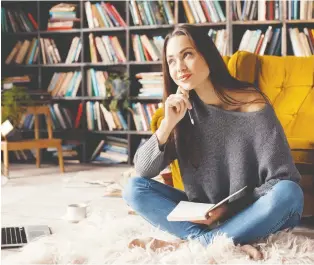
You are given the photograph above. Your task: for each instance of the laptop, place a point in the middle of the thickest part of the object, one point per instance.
(18, 236)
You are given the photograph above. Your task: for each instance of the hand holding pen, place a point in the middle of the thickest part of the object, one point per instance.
(176, 106)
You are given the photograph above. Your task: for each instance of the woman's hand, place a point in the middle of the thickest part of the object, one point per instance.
(176, 106)
(214, 215)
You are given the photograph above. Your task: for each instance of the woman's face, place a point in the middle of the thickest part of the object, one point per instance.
(187, 67)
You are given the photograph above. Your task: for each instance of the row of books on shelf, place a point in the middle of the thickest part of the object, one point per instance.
(151, 12)
(142, 114)
(98, 117)
(300, 9)
(302, 42)
(203, 11)
(106, 49)
(259, 43)
(24, 52)
(146, 49)
(62, 17)
(270, 43)
(65, 84)
(17, 20)
(260, 10)
(220, 38)
(111, 150)
(103, 15)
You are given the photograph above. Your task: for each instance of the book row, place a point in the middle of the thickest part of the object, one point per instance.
(260, 43)
(17, 20)
(197, 11)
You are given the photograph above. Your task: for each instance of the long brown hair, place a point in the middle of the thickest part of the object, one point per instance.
(220, 77)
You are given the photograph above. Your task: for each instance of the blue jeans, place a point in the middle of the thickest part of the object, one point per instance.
(279, 209)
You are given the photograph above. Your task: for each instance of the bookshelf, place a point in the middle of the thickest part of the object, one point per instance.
(43, 72)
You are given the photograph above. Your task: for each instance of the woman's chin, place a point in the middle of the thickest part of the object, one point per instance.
(187, 86)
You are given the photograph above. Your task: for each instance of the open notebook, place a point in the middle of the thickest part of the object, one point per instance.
(195, 211)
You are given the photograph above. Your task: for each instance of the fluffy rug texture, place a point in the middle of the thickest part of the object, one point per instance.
(103, 239)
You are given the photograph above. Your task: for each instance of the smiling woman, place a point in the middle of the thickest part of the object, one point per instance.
(236, 141)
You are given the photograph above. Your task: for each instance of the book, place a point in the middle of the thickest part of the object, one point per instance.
(194, 211)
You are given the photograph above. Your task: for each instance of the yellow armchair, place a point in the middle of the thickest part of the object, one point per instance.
(288, 82)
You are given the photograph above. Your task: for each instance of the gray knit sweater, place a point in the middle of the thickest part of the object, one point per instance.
(238, 149)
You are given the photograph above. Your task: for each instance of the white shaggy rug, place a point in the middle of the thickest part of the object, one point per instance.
(103, 239)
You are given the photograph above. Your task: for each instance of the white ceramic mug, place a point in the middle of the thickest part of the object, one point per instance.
(77, 212)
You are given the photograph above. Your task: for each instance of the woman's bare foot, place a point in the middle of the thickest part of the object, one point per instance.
(154, 243)
(252, 252)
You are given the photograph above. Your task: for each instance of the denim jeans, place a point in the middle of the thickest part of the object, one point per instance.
(280, 208)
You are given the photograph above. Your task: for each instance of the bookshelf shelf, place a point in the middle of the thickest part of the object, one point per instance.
(145, 98)
(61, 65)
(104, 64)
(133, 28)
(207, 24)
(145, 63)
(252, 22)
(21, 65)
(113, 29)
(55, 32)
(291, 22)
(234, 30)
(17, 34)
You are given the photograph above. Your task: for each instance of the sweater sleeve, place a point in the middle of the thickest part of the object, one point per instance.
(275, 163)
(151, 158)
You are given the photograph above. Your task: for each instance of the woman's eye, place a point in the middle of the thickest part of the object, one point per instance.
(186, 54)
(170, 61)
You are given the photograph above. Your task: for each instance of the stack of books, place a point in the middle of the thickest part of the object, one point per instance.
(9, 82)
(70, 152)
(62, 17)
(152, 84)
(112, 150)
(146, 49)
(103, 15)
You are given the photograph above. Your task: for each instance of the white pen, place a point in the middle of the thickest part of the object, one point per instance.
(192, 121)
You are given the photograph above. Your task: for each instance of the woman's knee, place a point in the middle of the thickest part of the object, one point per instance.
(289, 194)
(133, 189)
